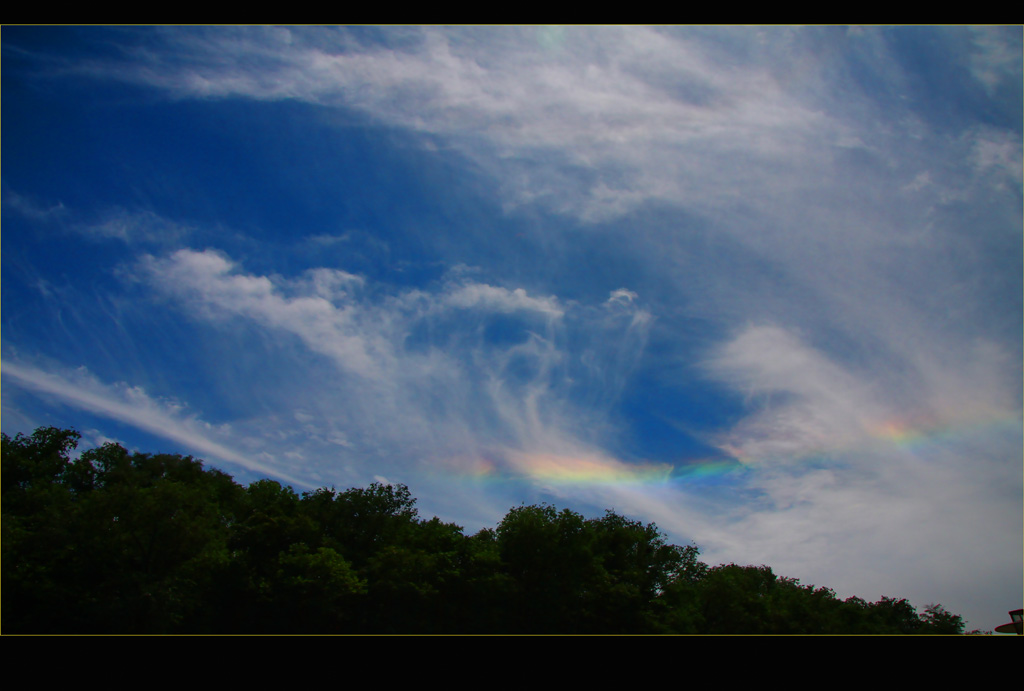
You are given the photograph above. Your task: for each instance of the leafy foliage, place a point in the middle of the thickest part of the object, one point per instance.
(120, 542)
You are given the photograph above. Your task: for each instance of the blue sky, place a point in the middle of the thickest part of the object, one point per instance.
(761, 286)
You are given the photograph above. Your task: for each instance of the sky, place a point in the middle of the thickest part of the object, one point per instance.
(760, 286)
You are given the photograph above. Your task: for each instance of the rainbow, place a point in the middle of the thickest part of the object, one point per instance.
(582, 469)
(596, 468)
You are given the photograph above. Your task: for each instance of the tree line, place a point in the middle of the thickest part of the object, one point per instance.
(119, 542)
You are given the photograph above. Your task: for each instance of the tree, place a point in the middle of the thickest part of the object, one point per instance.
(119, 542)
(938, 620)
(34, 465)
(111, 542)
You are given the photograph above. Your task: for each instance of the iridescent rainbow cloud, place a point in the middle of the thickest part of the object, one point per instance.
(595, 468)
(913, 433)
(583, 469)
(586, 469)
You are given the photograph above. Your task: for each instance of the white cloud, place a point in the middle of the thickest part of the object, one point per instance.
(810, 405)
(207, 280)
(849, 252)
(420, 373)
(475, 295)
(133, 406)
(859, 475)
(997, 59)
(997, 154)
(136, 226)
(644, 114)
(805, 404)
(32, 208)
(622, 296)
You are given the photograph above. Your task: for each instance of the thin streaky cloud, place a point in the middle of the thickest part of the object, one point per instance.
(761, 285)
(131, 405)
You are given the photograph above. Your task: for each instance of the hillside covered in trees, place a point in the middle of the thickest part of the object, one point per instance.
(141, 543)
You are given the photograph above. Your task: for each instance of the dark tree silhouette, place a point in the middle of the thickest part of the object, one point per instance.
(124, 542)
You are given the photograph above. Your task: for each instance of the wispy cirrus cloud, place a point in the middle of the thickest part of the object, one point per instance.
(145, 227)
(32, 208)
(820, 225)
(833, 204)
(887, 466)
(133, 406)
(589, 122)
(458, 366)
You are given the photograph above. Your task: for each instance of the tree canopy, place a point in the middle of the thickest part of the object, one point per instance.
(121, 542)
